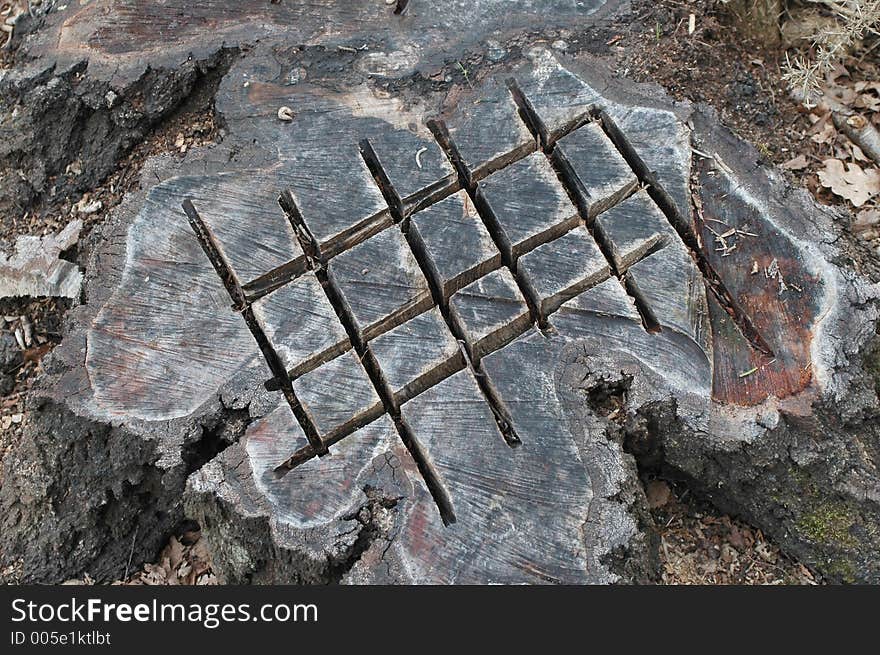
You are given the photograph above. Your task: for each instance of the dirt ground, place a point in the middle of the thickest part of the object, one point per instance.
(714, 64)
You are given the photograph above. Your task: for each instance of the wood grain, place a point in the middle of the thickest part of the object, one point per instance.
(528, 202)
(633, 229)
(519, 511)
(607, 298)
(166, 339)
(417, 355)
(488, 131)
(783, 307)
(338, 396)
(416, 166)
(600, 175)
(561, 269)
(322, 489)
(301, 325)
(381, 283)
(455, 241)
(490, 311)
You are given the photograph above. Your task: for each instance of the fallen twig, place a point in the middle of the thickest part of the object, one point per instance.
(856, 127)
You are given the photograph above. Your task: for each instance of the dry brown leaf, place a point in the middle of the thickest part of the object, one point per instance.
(850, 181)
(867, 224)
(868, 217)
(658, 493)
(868, 86)
(844, 95)
(858, 154)
(798, 163)
(838, 70)
(826, 135)
(868, 101)
(174, 552)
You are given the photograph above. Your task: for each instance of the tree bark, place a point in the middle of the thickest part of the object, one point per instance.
(758, 19)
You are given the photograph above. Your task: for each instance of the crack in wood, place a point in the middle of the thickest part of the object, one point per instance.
(469, 183)
(441, 300)
(400, 207)
(392, 198)
(371, 366)
(667, 205)
(240, 304)
(317, 257)
(568, 180)
(275, 279)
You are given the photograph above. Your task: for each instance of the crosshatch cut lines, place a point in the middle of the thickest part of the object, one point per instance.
(396, 302)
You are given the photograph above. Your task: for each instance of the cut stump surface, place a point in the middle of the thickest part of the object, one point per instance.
(449, 321)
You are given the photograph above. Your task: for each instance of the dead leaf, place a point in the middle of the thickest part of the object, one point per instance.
(826, 135)
(736, 538)
(868, 101)
(851, 181)
(867, 224)
(858, 154)
(837, 70)
(796, 164)
(843, 94)
(658, 493)
(868, 86)
(174, 552)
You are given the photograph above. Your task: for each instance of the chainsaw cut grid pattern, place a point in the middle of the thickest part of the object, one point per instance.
(383, 308)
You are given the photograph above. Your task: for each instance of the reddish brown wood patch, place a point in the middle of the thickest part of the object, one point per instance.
(770, 283)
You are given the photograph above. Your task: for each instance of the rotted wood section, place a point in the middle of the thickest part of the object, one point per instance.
(118, 37)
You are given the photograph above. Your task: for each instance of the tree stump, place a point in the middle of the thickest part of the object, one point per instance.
(429, 334)
(758, 19)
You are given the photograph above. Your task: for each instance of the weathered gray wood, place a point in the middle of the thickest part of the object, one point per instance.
(488, 131)
(381, 283)
(601, 176)
(151, 355)
(338, 396)
(321, 489)
(416, 166)
(161, 346)
(120, 37)
(780, 298)
(301, 325)
(457, 245)
(519, 510)
(560, 99)
(563, 268)
(242, 211)
(633, 229)
(417, 354)
(490, 311)
(35, 269)
(529, 203)
(662, 142)
(336, 194)
(674, 290)
(681, 362)
(607, 298)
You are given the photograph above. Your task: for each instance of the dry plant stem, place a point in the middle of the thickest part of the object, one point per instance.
(857, 129)
(855, 18)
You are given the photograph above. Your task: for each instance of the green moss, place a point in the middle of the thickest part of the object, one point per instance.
(830, 524)
(841, 570)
